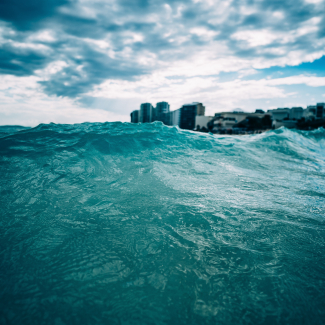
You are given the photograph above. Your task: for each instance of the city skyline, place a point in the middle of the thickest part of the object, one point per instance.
(231, 110)
(70, 62)
(192, 117)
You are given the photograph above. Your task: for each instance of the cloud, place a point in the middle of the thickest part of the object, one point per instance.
(83, 49)
(29, 14)
(311, 81)
(23, 102)
(218, 95)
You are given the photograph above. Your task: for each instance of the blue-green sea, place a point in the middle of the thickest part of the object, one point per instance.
(118, 223)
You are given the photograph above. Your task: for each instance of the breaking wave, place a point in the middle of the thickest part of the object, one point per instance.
(118, 223)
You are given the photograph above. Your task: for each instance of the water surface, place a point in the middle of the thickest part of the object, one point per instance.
(121, 223)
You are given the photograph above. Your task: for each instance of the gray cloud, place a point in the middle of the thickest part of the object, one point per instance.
(139, 34)
(21, 62)
(96, 67)
(26, 15)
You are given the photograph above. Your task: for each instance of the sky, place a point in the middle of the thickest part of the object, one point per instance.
(72, 61)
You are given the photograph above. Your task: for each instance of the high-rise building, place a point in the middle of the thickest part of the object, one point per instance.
(135, 116)
(183, 117)
(188, 114)
(200, 109)
(160, 113)
(173, 117)
(146, 113)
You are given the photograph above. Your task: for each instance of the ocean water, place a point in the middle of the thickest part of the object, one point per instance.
(118, 223)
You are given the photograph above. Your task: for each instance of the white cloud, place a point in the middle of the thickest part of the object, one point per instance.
(255, 37)
(102, 44)
(278, 14)
(311, 81)
(30, 46)
(246, 72)
(203, 32)
(310, 26)
(52, 68)
(133, 38)
(217, 95)
(42, 36)
(23, 102)
(314, 1)
(261, 37)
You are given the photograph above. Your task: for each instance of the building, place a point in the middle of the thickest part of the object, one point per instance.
(146, 111)
(201, 122)
(236, 116)
(279, 114)
(296, 113)
(310, 113)
(184, 117)
(320, 108)
(135, 116)
(200, 109)
(289, 124)
(221, 122)
(227, 120)
(173, 117)
(188, 113)
(160, 113)
(314, 112)
(287, 117)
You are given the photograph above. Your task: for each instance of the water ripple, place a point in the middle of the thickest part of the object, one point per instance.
(116, 223)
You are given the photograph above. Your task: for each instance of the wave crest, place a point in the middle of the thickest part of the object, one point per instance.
(120, 222)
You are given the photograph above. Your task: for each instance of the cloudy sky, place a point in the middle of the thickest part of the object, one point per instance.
(69, 61)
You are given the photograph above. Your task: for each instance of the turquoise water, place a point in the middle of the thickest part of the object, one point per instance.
(121, 223)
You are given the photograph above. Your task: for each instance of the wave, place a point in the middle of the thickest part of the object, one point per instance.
(144, 223)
